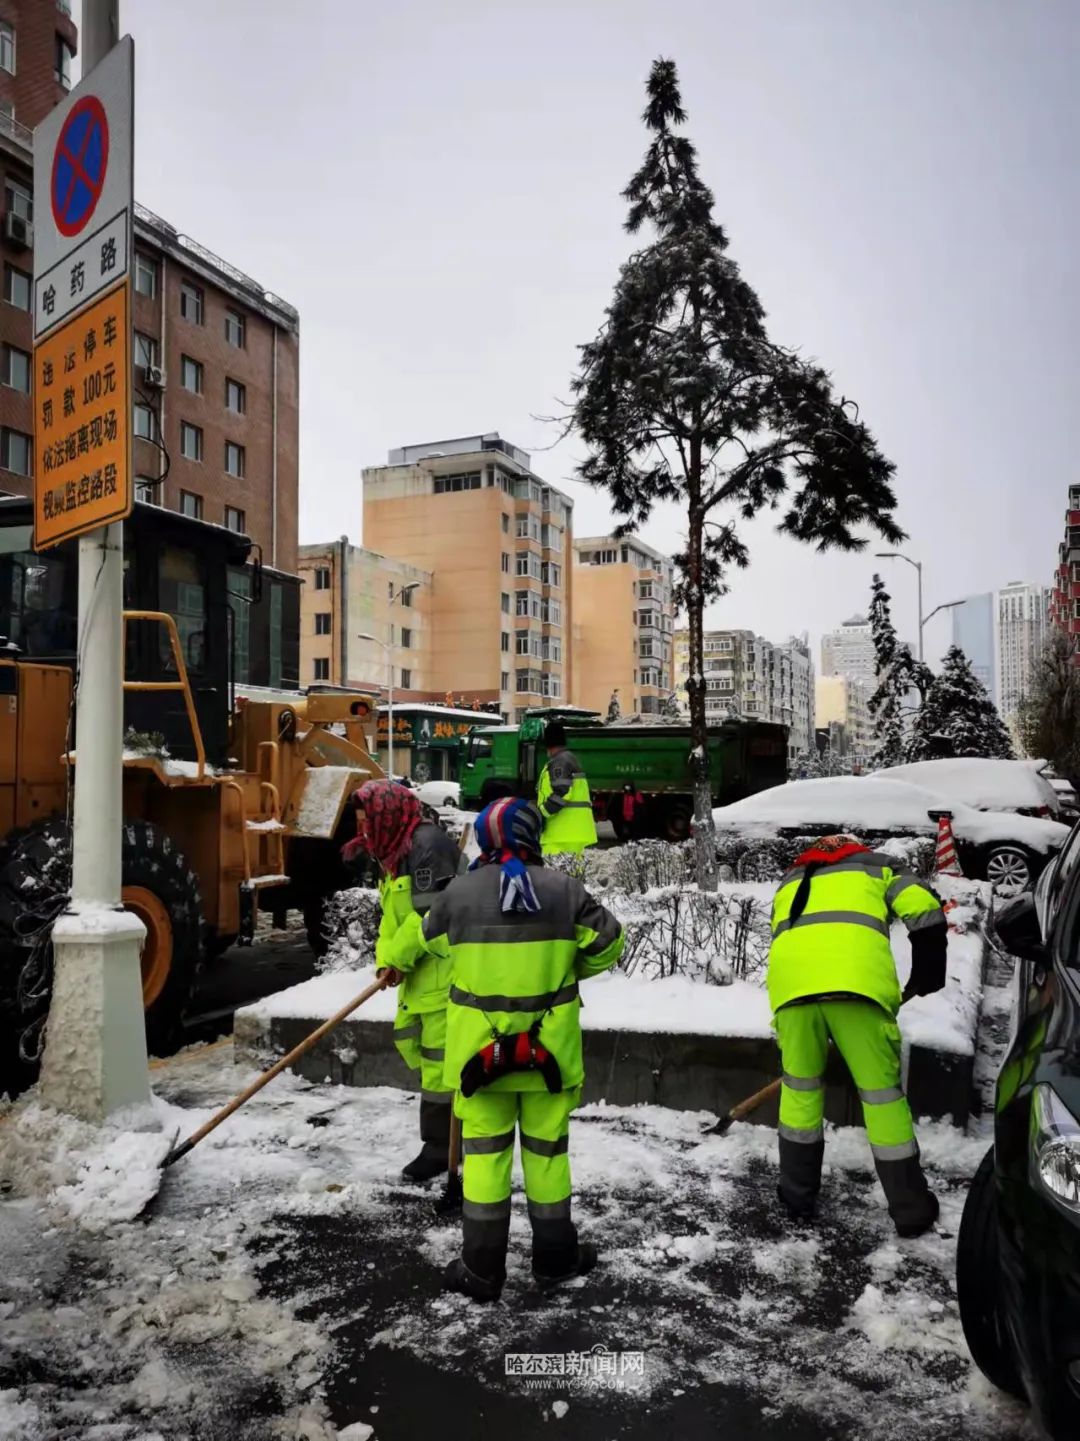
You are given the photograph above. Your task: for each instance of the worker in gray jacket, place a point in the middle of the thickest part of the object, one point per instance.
(563, 798)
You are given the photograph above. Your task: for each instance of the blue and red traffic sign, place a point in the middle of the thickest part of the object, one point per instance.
(79, 165)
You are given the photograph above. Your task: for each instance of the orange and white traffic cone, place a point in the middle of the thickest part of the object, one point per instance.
(946, 862)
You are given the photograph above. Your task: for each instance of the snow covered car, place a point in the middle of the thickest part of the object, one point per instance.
(999, 846)
(1018, 1250)
(1067, 798)
(987, 785)
(439, 794)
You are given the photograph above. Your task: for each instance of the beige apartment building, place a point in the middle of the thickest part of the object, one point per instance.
(841, 701)
(496, 541)
(360, 613)
(623, 623)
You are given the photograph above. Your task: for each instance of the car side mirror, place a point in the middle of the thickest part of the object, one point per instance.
(1017, 925)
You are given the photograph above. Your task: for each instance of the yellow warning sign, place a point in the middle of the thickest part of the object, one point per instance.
(82, 422)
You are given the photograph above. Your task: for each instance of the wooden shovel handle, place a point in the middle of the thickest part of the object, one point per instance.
(274, 1070)
(753, 1102)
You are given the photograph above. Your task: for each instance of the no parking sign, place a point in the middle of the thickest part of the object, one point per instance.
(82, 319)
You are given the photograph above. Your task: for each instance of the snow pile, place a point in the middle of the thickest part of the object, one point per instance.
(988, 785)
(93, 1176)
(351, 925)
(949, 1019)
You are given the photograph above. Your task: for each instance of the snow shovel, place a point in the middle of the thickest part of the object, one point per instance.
(450, 1202)
(275, 1070)
(743, 1108)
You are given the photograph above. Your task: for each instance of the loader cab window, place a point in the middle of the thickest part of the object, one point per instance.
(240, 605)
(33, 613)
(182, 592)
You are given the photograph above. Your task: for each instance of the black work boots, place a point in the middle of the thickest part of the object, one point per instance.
(434, 1156)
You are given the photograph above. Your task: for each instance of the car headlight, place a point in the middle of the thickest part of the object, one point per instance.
(1055, 1148)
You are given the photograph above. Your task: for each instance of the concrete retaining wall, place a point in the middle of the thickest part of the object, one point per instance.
(624, 1068)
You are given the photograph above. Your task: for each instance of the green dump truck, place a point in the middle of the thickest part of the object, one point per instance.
(744, 757)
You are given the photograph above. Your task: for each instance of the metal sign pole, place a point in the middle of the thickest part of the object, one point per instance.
(95, 1053)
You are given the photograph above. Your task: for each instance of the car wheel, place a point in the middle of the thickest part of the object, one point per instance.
(1009, 870)
(977, 1283)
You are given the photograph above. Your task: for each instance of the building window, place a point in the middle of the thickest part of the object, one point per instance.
(406, 678)
(191, 303)
(234, 519)
(15, 451)
(235, 459)
(146, 490)
(322, 578)
(469, 480)
(505, 523)
(190, 441)
(406, 638)
(504, 641)
(235, 329)
(191, 374)
(16, 287)
(505, 603)
(235, 396)
(146, 350)
(144, 422)
(62, 64)
(505, 563)
(191, 504)
(322, 622)
(18, 200)
(145, 275)
(321, 668)
(17, 368)
(504, 680)
(7, 47)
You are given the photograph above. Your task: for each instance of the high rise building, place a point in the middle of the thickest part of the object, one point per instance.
(748, 676)
(849, 651)
(842, 707)
(497, 541)
(362, 614)
(215, 354)
(623, 622)
(1020, 632)
(973, 626)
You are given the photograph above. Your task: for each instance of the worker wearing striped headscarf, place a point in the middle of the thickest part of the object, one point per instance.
(832, 977)
(417, 859)
(519, 938)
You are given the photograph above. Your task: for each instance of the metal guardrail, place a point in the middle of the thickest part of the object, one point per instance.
(21, 134)
(208, 257)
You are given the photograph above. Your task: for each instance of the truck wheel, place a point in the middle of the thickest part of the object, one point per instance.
(157, 885)
(977, 1283)
(677, 819)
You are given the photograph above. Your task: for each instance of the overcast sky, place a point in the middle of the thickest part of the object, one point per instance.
(436, 187)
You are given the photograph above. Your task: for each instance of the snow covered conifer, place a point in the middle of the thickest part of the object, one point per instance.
(683, 397)
(958, 718)
(885, 704)
(1050, 714)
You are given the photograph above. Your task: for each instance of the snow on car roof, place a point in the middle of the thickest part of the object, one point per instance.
(989, 785)
(874, 804)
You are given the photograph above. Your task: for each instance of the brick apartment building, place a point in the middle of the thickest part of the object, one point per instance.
(216, 357)
(498, 543)
(623, 623)
(1063, 609)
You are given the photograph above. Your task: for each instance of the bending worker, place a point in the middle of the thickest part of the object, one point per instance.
(563, 797)
(832, 976)
(519, 938)
(417, 859)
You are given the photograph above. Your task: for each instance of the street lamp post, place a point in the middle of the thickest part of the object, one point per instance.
(899, 555)
(388, 647)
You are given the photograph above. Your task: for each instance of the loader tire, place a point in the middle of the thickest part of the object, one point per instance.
(35, 879)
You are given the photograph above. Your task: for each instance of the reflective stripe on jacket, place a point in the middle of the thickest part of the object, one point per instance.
(432, 862)
(840, 943)
(563, 797)
(510, 970)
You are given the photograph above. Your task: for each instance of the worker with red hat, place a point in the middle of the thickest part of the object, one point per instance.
(832, 977)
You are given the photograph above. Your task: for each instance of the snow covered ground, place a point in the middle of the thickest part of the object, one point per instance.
(284, 1284)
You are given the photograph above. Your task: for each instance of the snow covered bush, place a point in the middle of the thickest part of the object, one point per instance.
(351, 924)
(645, 865)
(710, 936)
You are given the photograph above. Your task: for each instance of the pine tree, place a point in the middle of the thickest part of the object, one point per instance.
(958, 718)
(683, 397)
(1050, 714)
(886, 703)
